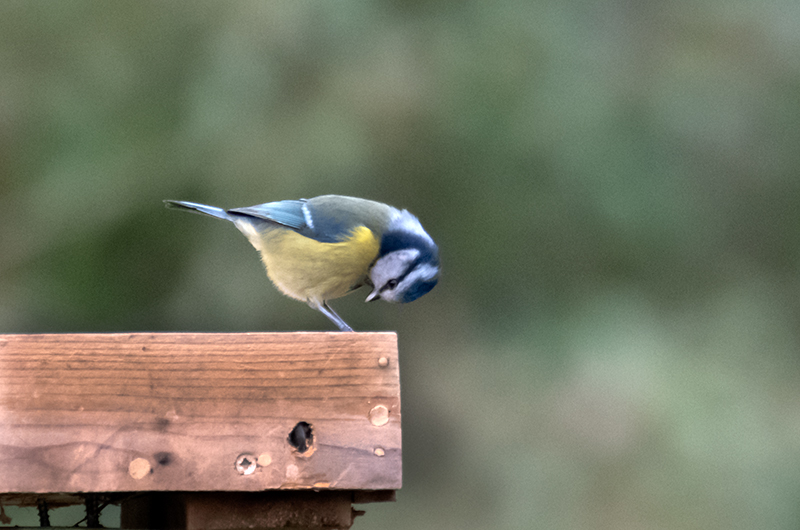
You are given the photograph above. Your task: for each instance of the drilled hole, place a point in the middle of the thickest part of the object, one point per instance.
(246, 464)
(301, 437)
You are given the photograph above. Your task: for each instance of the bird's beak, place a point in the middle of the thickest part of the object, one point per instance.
(374, 295)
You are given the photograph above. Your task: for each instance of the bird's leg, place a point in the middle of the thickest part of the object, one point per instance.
(325, 309)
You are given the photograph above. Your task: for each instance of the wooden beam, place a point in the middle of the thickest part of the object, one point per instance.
(231, 511)
(199, 412)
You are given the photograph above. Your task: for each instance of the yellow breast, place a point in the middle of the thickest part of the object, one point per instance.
(306, 269)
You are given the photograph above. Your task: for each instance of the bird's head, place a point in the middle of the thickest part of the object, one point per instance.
(407, 266)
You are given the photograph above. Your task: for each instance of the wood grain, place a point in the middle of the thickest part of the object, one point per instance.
(173, 411)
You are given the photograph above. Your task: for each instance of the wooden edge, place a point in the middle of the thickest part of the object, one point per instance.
(233, 510)
(60, 500)
(364, 496)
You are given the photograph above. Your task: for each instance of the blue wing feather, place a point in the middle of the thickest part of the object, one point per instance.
(322, 222)
(286, 213)
(328, 219)
(195, 207)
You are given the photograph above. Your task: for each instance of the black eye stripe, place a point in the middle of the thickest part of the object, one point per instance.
(391, 284)
(411, 267)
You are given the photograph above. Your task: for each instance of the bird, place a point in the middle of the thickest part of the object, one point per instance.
(320, 249)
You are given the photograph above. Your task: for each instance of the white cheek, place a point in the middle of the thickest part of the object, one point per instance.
(392, 265)
(389, 296)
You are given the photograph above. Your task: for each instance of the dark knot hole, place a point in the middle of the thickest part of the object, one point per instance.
(301, 437)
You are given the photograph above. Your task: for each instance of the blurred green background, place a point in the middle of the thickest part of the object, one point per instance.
(614, 187)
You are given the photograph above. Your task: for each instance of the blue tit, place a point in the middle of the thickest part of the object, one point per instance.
(323, 248)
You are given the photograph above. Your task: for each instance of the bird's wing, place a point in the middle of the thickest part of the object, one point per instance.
(287, 213)
(329, 219)
(297, 215)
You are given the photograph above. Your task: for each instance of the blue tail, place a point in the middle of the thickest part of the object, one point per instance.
(194, 207)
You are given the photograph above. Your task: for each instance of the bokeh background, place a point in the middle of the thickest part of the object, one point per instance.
(614, 186)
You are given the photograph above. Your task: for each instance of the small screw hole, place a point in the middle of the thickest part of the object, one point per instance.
(246, 464)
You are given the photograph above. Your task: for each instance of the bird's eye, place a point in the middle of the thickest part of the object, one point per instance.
(391, 284)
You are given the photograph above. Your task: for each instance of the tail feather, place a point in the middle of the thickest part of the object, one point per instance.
(194, 207)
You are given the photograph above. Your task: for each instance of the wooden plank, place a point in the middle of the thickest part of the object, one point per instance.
(174, 412)
(232, 511)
